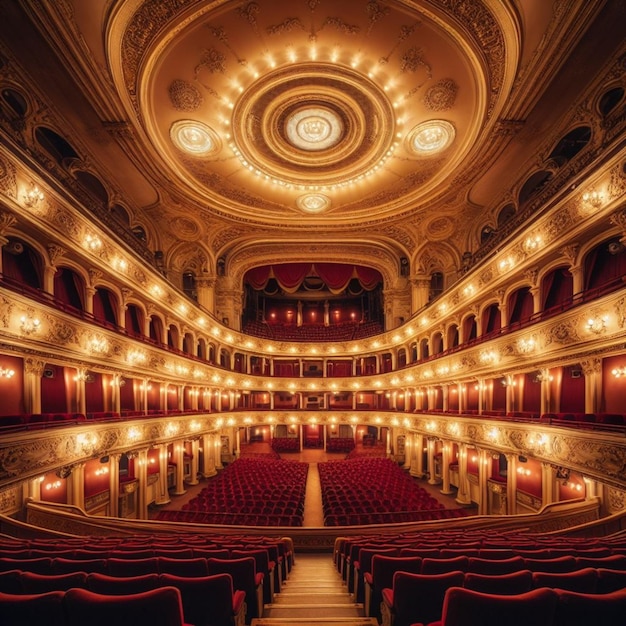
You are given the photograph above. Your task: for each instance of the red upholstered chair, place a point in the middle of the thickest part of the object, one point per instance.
(417, 598)
(464, 607)
(132, 567)
(364, 565)
(245, 577)
(263, 565)
(381, 575)
(584, 609)
(42, 583)
(10, 581)
(120, 585)
(62, 565)
(441, 566)
(614, 561)
(583, 580)
(39, 565)
(158, 607)
(32, 609)
(183, 567)
(610, 580)
(504, 584)
(209, 600)
(495, 566)
(557, 564)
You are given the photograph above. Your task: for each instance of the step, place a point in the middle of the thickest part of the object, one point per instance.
(313, 611)
(311, 596)
(314, 621)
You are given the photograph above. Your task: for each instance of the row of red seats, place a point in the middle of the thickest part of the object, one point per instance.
(370, 490)
(340, 444)
(444, 601)
(286, 444)
(256, 491)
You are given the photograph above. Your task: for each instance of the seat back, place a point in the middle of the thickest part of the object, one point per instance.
(39, 565)
(243, 573)
(43, 583)
(157, 607)
(495, 566)
(505, 584)
(116, 585)
(206, 599)
(556, 564)
(62, 565)
(419, 597)
(464, 607)
(583, 609)
(183, 567)
(582, 580)
(610, 580)
(132, 567)
(443, 565)
(27, 609)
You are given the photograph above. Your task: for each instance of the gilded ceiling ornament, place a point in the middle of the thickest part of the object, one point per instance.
(185, 96)
(212, 60)
(286, 26)
(441, 96)
(248, 13)
(341, 26)
(8, 180)
(375, 12)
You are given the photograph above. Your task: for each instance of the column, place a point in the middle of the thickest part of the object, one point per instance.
(208, 456)
(463, 494)
(445, 468)
(420, 286)
(179, 459)
(445, 394)
(205, 288)
(195, 461)
(116, 402)
(217, 443)
(484, 459)
(141, 474)
(162, 496)
(548, 484)
(33, 373)
(417, 468)
(511, 484)
(432, 478)
(76, 486)
(34, 485)
(114, 484)
(592, 369)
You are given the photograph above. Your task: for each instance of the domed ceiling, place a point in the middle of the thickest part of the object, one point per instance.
(290, 110)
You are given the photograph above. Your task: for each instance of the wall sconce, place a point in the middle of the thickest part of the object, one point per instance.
(526, 345)
(6, 372)
(596, 324)
(532, 243)
(619, 371)
(593, 198)
(33, 196)
(29, 325)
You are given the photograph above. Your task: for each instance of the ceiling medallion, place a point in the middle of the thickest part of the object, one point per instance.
(430, 137)
(313, 202)
(314, 128)
(195, 138)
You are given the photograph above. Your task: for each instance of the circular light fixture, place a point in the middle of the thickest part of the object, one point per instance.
(194, 138)
(314, 128)
(313, 202)
(431, 137)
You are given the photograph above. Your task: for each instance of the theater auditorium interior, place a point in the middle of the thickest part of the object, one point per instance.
(313, 312)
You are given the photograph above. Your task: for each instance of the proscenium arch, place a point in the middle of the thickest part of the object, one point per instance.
(376, 256)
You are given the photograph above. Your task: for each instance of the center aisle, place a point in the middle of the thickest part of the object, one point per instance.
(313, 594)
(313, 509)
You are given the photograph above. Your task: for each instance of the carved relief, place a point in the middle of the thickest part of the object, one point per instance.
(185, 96)
(8, 179)
(441, 96)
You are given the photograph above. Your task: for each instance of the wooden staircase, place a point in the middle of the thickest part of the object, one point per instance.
(314, 594)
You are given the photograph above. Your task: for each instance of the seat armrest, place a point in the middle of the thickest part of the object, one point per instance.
(388, 596)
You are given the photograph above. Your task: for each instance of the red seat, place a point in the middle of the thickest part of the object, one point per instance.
(610, 580)
(43, 583)
(495, 566)
(158, 607)
(504, 584)
(39, 565)
(585, 609)
(10, 581)
(464, 607)
(417, 598)
(583, 580)
(209, 600)
(381, 575)
(557, 564)
(245, 577)
(132, 567)
(183, 567)
(30, 609)
(116, 585)
(62, 565)
(441, 566)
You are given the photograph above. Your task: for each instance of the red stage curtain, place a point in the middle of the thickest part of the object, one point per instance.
(368, 277)
(335, 276)
(291, 275)
(257, 277)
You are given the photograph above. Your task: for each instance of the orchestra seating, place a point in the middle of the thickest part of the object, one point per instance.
(255, 491)
(375, 490)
